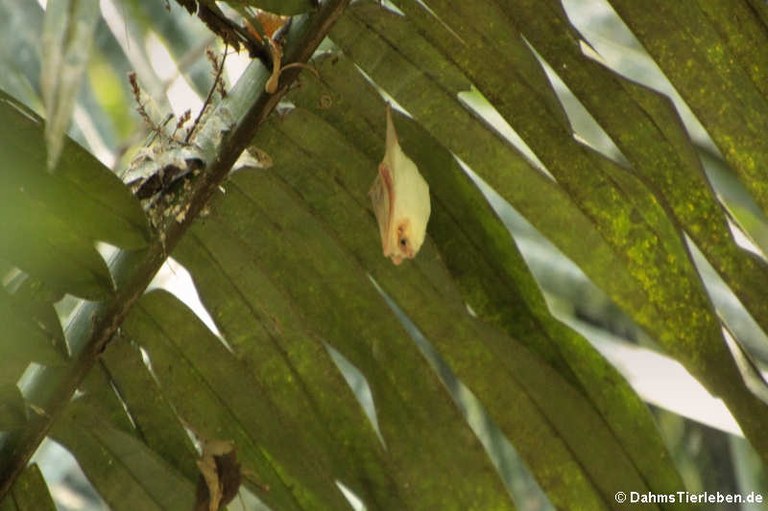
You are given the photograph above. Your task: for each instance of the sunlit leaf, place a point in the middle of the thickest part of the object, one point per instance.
(723, 87)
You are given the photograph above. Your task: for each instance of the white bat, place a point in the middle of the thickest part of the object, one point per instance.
(400, 197)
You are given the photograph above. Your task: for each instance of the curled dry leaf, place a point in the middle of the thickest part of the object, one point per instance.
(400, 198)
(277, 57)
(220, 476)
(266, 28)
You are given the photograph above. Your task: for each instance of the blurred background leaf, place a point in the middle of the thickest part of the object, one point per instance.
(68, 29)
(62, 252)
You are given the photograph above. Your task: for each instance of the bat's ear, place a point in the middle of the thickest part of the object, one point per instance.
(391, 133)
(381, 198)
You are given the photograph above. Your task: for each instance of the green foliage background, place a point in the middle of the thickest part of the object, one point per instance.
(444, 383)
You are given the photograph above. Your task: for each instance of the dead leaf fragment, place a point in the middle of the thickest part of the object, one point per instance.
(220, 476)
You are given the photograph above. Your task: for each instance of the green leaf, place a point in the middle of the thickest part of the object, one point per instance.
(29, 493)
(219, 400)
(45, 246)
(494, 279)
(127, 474)
(98, 391)
(291, 363)
(432, 100)
(13, 412)
(534, 397)
(68, 30)
(38, 300)
(57, 218)
(92, 199)
(289, 265)
(94, 324)
(720, 44)
(38, 335)
(498, 286)
(149, 410)
(333, 294)
(25, 340)
(658, 283)
(619, 208)
(647, 129)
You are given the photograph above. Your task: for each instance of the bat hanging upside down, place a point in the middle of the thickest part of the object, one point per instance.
(400, 199)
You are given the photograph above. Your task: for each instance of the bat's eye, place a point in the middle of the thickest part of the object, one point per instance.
(404, 242)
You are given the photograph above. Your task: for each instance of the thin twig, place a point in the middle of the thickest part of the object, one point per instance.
(209, 98)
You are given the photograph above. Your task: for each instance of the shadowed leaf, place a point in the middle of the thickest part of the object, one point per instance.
(29, 493)
(127, 474)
